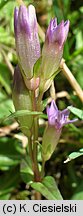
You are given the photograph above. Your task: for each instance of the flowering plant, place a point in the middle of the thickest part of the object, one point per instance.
(33, 75)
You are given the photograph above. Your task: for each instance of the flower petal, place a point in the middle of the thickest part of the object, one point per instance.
(52, 110)
(58, 118)
(66, 26)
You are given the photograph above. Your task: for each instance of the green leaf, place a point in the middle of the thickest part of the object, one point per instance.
(5, 196)
(26, 170)
(44, 116)
(74, 155)
(76, 111)
(20, 113)
(2, 3)
(5, 38)
(9, 180)
(6, 161)
(5, 78)
(6, 105)
(36, 69)
(11, 153)
(78, 194)
(48, 188)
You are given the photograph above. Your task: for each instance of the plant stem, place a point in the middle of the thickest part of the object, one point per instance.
(37, 196)
(34, 166)
(37, 176)
(42, 170)
(36, 173)
(35, 138)
(31, 152)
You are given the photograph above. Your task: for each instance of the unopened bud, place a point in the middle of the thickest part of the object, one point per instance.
(52, 51)
(26, 37)
(22, 101)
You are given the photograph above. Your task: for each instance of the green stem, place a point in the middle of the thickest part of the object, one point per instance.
(33, 150)
(35, 139)
(34, 166)
(39, 102)
(37, 173)
(33, 100)
(30, 151)
(43, 169)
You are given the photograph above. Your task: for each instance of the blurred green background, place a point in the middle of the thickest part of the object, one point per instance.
(69, 176)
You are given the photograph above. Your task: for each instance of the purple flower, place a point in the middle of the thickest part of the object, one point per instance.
(27, 40)
(58, 118)
(57, 33)
(52, 52)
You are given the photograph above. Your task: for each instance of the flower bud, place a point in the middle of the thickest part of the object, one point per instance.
(26, 37)
(22, 101)
(52, 51)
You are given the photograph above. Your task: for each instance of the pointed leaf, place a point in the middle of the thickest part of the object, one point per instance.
(26, 170)
(76, 111)
(20, 113)
(36, 69)
(74, 155)
(48, 188)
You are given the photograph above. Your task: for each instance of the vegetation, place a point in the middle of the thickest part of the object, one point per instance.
(65, 165)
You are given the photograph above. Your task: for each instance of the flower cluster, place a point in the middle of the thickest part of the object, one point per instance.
(33, 75)
(28, 46)
(36, 70)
